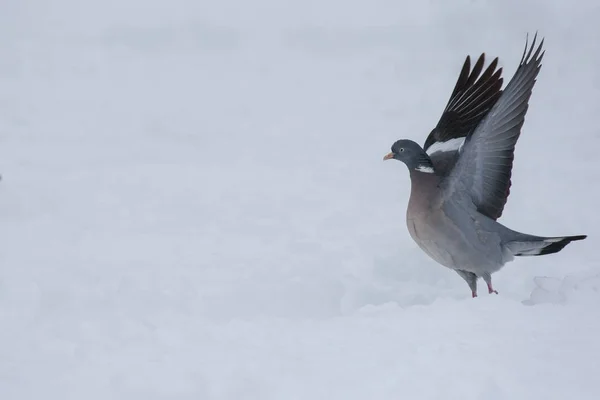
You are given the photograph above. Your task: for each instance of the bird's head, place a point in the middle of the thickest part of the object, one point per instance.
(411, 154)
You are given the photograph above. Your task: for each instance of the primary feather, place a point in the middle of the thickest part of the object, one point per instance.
(484, 166)
(473, 96)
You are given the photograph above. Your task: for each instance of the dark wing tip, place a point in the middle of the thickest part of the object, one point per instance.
(476, 71)
(529, 56)
(463, 77)
(475, 92)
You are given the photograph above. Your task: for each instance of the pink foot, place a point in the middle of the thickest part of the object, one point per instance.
(491, 290)
(474, 294)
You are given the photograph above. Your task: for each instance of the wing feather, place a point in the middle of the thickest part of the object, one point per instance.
(483, 170)
(474, 94)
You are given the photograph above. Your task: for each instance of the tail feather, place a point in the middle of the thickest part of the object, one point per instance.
(541, 246)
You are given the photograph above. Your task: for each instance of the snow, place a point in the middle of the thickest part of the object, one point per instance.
(193, 203)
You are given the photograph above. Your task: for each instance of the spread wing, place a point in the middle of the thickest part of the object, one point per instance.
(483, 169)
(473, 96)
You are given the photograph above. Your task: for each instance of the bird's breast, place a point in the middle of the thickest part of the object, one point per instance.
(426, 233)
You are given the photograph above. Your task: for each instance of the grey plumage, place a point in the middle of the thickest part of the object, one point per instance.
(460, 180)
(472, 98)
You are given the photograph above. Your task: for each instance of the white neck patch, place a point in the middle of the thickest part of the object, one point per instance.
(425, 168)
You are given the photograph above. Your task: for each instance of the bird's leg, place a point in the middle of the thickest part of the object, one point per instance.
(488, 280)
(471, 280)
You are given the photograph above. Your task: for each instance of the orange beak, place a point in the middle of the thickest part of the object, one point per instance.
(388, 156)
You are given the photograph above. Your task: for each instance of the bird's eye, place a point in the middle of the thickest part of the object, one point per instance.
(401, 149)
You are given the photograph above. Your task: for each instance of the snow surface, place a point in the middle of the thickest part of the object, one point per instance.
(193, 202)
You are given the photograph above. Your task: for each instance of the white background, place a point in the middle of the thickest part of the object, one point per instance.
(194, 203)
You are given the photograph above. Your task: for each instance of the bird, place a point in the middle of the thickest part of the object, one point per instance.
(461, 177)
